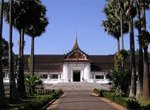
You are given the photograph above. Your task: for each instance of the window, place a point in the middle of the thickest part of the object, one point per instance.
(3, 74)
(54, 76)
(99, 77)
(44, 76)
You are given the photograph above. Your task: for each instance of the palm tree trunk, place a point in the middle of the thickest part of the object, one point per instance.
(121, 24)
(13, 90)
(19, 64)
(121, 30)
(146, 66)
(146, 94)
(22, 62)
(118, 41)
(32, 55)
(140, 57)
(132, 60)
(140, 73)
(2, 95)
(21, 85)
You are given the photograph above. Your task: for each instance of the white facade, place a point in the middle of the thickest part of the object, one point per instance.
(70, 69)
(76, 67)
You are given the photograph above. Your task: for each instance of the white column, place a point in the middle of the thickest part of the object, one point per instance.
(60, 75)
(82, 79)
(48, 76)
(65, 72)
(104, 76)
(87, 72)
(71, 75)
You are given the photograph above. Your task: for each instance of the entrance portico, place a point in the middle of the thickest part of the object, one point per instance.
(76, 72)
(76, 66)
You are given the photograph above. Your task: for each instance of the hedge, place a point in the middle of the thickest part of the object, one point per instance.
(124, 101)
(35, 102)
(41, 101)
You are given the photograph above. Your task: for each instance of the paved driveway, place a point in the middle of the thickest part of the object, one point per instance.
(79, 101)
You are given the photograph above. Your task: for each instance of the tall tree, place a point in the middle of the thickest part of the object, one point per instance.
(146, 93)
(110, 28)
(13, 90)
(114, 22)
(18, 21)
(35, 31)
(37, 27)
(131, 12)
(4, 53)
(121, 21)
(26, 14)
(140, 52)
(1, 73)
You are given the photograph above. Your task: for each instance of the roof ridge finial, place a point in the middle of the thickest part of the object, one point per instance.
(76, 42)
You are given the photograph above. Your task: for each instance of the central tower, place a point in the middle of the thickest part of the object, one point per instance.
(76, 66)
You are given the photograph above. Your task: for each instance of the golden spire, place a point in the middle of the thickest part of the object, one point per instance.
(76, 46)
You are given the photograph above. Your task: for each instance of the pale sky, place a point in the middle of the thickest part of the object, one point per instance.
(66, 17)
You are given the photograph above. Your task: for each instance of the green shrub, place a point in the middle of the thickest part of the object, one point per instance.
(120, 80)
(99, 92)
(35, 102)
(124, 101)
(41, 101)
(145, 107)
(31, 81)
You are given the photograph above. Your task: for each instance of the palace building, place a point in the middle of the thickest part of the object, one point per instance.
(75, 66)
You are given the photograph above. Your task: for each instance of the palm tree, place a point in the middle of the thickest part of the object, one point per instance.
(146, 74)
(26, 13)
(131, 13)
(110, 28)
(121, 21)
(19, 23)
(36, 28)
(146, 93)
(140, 57)
(115, 21)
(4, 53)
(13, 90)
(2, 95)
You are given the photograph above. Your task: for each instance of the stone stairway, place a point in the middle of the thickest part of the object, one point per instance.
(78, 86)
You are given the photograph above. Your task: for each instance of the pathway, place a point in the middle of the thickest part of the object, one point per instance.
(79, 101)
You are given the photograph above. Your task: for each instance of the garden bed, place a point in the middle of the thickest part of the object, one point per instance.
(35, 102)
(127, 102)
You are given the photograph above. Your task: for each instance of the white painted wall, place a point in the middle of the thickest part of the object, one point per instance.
(69, 67)
(67, 74)
(102, 81)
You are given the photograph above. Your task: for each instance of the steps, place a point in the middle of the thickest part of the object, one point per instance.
(78, 86)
